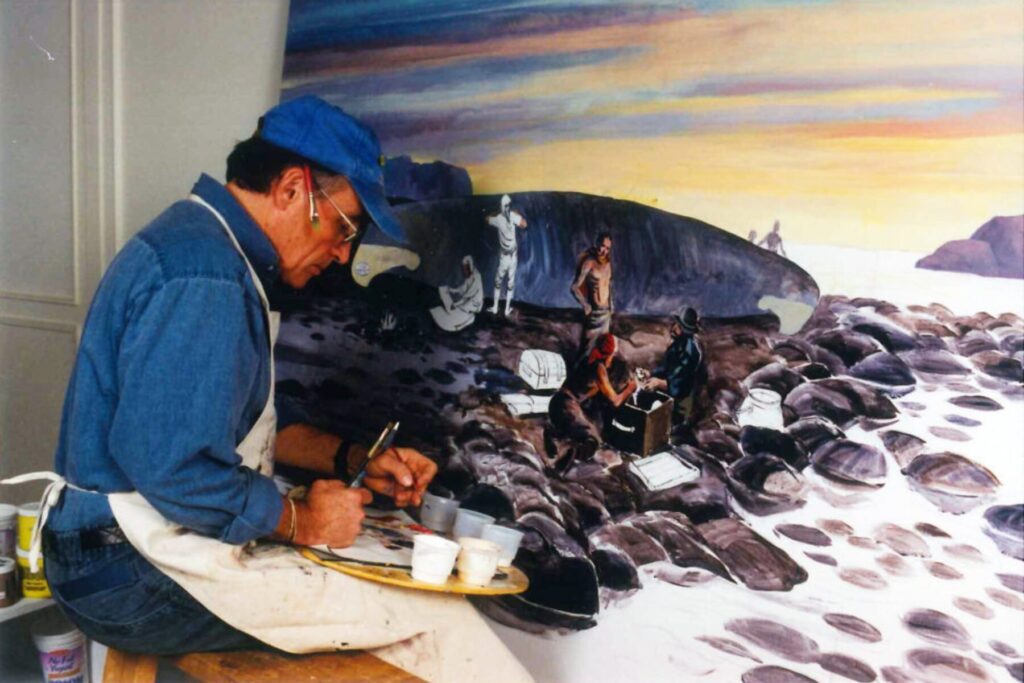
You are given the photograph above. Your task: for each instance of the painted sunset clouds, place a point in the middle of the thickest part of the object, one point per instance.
(896, 124)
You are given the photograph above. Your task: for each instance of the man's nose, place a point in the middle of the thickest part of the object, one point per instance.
(342, 252)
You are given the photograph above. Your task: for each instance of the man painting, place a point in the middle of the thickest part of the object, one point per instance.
(505, 222)
(680, 369)
(169, 433)
(588, 383)
(592, 288)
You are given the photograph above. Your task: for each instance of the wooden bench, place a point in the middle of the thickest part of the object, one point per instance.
(257, 666)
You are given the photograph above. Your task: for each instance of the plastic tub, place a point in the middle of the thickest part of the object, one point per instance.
(8, 530)
(9, 592)
(63, 650)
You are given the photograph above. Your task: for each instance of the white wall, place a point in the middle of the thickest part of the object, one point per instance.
(108, 112)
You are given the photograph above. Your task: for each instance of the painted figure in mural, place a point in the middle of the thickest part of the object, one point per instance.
(752, 237)
(681, 369)
(773, 241)
(169, 426)
(587, 389)
(460, 304)
(592, 288)
(505, 223)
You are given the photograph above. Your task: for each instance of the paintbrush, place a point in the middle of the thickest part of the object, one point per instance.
(383, 442)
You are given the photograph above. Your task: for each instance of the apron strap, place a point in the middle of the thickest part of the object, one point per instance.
(51, 495)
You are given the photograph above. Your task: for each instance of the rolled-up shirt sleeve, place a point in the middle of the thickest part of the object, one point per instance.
(189, 364)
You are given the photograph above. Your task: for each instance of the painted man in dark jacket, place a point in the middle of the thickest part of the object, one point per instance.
(680, 370)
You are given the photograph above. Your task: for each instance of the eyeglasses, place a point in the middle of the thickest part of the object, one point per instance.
(354, 229)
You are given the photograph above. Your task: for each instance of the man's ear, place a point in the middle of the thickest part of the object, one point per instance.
(288, 188)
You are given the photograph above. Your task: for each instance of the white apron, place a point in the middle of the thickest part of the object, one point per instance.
(273, 594)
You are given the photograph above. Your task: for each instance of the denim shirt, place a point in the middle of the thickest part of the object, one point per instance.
(680, 365)
(172, 372)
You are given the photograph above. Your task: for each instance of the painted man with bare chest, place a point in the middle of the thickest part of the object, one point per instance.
(592, 288)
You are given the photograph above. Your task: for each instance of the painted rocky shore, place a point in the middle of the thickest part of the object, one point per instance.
(593, 531)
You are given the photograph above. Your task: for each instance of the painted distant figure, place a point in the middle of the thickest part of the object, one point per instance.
(506, 223)
(773, 241)
(460, 304)
(680, 371)
(592, 288)
(752, 237)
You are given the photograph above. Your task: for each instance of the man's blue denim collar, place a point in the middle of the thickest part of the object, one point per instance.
(254, 242)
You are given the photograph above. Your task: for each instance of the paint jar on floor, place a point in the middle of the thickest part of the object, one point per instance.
(8, 530)
(33, 584)
(63, 650)
(761, 408)
(9, 592)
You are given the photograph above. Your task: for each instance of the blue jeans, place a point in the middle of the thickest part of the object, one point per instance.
(115, 596)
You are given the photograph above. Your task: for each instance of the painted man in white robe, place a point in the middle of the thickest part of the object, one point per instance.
(506, 223)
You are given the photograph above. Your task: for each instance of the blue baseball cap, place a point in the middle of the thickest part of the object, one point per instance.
(328, 136)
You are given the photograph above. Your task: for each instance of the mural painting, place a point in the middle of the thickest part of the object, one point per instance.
(651, 311)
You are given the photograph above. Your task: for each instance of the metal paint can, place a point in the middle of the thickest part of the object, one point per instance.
(8, 530)
(33, 584)
(9, 592)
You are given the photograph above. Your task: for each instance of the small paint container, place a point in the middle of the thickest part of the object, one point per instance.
(507, 539)
(8, 530)
(9, 592)
(438, 513)
(433, 558)
(33, 584)
(470, 523)
(63, 650)
(478, 561)
(28, 515)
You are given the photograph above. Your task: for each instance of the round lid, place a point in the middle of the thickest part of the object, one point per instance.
(51, 624)
(7, 512)
(7, 565)
(29, 509)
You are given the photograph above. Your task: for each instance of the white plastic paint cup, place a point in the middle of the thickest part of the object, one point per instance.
(438, 513)
(507, 539)
(62, 650)
(470, 523)
(433, 558)
(478, 560)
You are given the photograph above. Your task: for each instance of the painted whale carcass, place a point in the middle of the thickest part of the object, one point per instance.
(661, 261)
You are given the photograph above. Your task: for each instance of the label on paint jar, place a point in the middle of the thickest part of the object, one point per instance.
(64, 666)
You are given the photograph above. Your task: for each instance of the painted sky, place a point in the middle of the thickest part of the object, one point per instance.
(895, 125)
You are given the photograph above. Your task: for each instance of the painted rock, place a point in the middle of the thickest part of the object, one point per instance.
(849, 462)
(950, 481)
(749, 557)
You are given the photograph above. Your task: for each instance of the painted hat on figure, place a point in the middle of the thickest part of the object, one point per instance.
(326, 135)
(689, 321)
